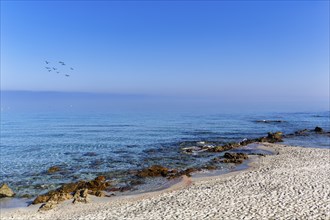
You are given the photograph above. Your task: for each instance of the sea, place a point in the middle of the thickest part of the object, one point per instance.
(88, 144)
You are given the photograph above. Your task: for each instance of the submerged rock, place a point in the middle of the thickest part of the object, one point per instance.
(5, 191)
(301, 132)
(318, 129)
(231, 158)
(53, 169)
(153, 171)
(269, 121)
(90, 154)
(235, 156)
(272, 137)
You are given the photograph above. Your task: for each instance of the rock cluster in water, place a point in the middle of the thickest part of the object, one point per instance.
(271, 138)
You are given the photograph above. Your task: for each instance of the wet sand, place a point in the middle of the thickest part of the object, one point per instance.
(293, 184)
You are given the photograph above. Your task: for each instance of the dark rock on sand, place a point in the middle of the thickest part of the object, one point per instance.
(81, 196)
(5, 191)
(120, 189)
(136, 182)
(48, 206)
(318, 129)
(234, 157)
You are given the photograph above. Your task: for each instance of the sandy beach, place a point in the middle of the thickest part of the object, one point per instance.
(292, 184)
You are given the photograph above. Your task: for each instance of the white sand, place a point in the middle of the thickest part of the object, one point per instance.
(295, 184)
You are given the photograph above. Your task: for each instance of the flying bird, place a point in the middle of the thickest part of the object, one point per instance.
(67, 75)
(61, 62)
(46, 62)
(71, 68)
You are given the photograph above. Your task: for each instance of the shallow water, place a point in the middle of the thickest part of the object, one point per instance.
(85, 145)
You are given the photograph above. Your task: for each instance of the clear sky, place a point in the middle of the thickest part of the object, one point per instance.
(239, 50)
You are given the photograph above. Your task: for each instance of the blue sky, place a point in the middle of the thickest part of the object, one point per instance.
(241, 50)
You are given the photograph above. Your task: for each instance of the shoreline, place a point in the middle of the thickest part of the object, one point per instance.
(188, 192)
(182, 181)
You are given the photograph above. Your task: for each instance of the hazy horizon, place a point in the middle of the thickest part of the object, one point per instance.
(39, 101)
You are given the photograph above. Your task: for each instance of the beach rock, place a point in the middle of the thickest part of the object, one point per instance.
(48, 206)
(318, 129)
(27, 196)
(234, 157)
(100, 179)
(97, 193)
(60, 197)
(41, 199)
(81, 196)
(272, 137)
(97, 184)
(188, 171)
(217, 149)
(136, 182)
(245, 142)
(210, 167)
(5, 191)
(275, 137)
(237, 161)
(53, 169)
(153, 171)
(66, 190)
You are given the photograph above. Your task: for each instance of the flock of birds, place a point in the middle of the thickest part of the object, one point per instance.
(57, 69)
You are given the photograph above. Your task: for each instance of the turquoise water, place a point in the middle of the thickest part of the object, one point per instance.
(85, 145)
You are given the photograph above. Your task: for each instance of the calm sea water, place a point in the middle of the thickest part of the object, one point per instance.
(85, 145)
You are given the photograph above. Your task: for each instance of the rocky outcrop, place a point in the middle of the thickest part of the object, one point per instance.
(231, 158)
(66, 191)
(153, 171)
(271, 137)
(5, 191)
(318, 129)
(81, 196)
